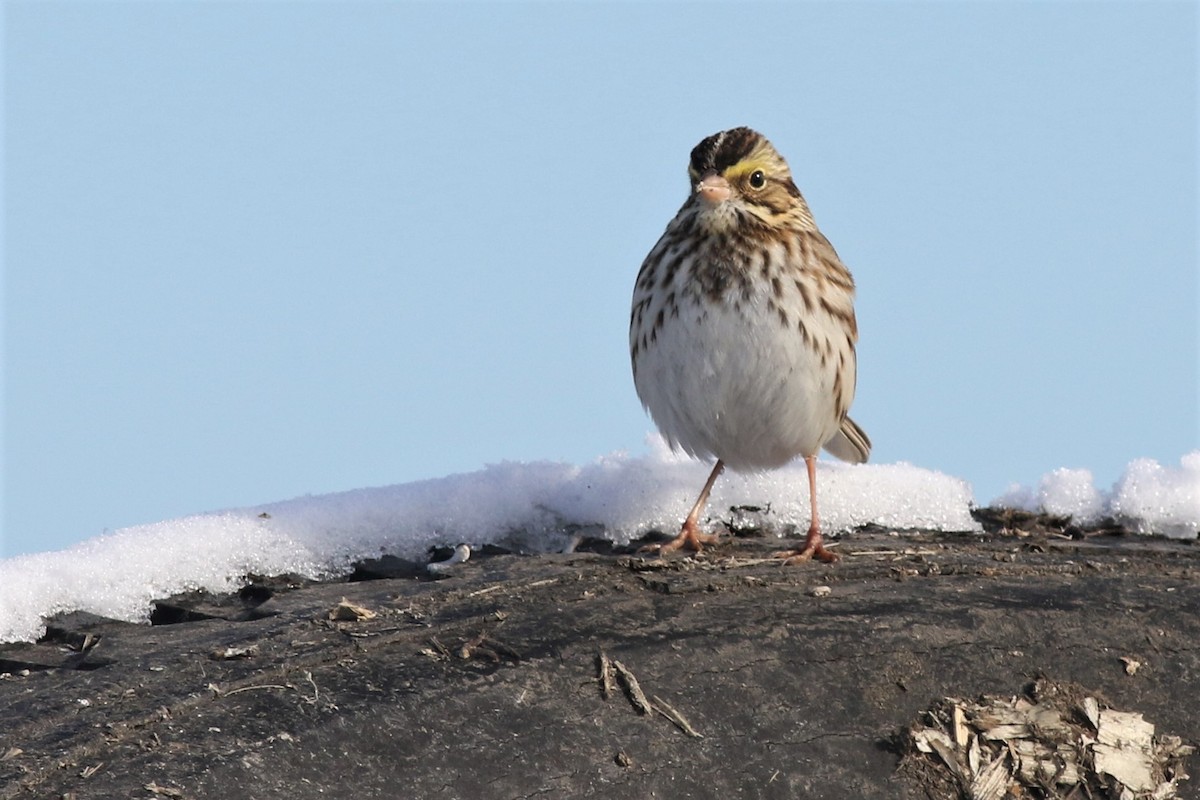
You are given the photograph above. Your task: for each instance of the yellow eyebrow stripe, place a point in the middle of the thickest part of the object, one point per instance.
(745, 167)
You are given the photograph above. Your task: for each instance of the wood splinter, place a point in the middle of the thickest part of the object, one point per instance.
(632, 688)
(668, 711)
(605, 667)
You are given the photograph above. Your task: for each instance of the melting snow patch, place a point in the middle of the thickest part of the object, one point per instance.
(1149, 497)
(539, 506)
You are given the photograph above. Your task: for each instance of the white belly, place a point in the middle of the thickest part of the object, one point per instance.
(739, 385)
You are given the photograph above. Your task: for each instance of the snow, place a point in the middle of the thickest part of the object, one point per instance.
(1148, 498)
(532, 506)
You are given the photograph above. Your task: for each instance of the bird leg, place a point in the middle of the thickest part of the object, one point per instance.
(690, 537)
(813, 543)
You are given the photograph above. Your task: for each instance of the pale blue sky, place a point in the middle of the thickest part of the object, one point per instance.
(258, 250)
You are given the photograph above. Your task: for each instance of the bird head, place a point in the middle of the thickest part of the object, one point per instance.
(738, 172)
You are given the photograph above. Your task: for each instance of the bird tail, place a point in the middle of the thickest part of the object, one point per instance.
(850, 443)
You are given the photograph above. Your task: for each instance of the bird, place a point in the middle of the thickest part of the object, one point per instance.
(742, 331)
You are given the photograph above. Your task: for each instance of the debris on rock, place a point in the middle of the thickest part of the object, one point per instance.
(1057, 740)
(461, 553)
(610, 667)
(345, 611)
(233, 653)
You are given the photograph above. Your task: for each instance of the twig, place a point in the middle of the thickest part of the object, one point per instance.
(316, 691)
(501, 648)
(636, 695)
(605, 667)
(251, 689)
(664, 708)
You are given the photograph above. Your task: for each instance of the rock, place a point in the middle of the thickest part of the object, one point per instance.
(491, 682)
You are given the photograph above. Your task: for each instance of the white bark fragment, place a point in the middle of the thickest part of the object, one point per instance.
(1124, 749)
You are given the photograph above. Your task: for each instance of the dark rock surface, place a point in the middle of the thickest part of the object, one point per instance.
(486, 684)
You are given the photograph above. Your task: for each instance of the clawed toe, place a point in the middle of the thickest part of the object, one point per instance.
(814, 548)
(687, 539)
(791, 558)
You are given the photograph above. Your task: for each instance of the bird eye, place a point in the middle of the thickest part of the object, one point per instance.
(757, 179)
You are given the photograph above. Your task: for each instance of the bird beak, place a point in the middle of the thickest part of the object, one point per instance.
(713, 189)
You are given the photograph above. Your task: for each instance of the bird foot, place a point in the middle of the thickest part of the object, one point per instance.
(813, 548)
(689, 538)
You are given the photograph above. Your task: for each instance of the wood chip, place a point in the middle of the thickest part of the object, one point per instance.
(925, 737)
(930, 740)
(1124, 749)
(959, 720)
(1002, 720)
(945, 751)
(345, 611)
(632, 688)
(232, 653)
(1057, 739)
(1091, 710)
(992, 783)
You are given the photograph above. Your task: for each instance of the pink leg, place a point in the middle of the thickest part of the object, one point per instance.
(813, 545)
(689, 537)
